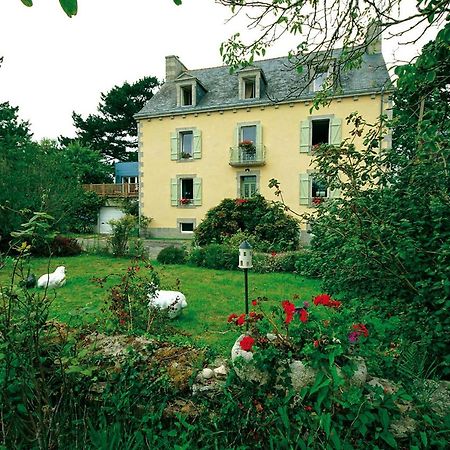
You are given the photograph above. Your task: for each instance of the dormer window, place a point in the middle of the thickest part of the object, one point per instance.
(322, 75)
(251, 83)
(320, 78)
(186, 95)
(189, 90)
(250, 87)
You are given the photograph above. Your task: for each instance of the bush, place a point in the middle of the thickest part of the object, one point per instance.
(217, 256)
(277, 262)
(64, 246)
(214, 256)
(122, 230)
(172, 255)
(271, 227)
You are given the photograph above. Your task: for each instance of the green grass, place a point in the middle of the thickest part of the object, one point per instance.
(211, 294)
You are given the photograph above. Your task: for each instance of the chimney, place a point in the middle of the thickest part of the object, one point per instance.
(174, 67)
(373, 37)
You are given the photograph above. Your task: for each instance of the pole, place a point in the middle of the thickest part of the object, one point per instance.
(246, 297)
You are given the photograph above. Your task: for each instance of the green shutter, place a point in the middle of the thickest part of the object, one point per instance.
(237, 136)
(197, 144)
(173, 146)
(197, 191)
(304, 189)
(259, 140)
(305, 140)
(174, 192)
(336, 131)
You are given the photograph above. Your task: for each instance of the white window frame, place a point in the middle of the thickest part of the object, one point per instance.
(247, 75)
(181, 222)
(128, 179)
(181, 151)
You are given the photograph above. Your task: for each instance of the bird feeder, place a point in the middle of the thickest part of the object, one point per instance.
(245, 256)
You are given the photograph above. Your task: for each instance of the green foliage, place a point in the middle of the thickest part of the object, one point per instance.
(271, 227)
(113, 132)
(84, 218)
(64, 246)
(172, 255)
(122, 230)
(43, 177)
(127, 301)
(277, 262)
(387, 238)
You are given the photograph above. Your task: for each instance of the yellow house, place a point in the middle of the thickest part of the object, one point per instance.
(209, 135)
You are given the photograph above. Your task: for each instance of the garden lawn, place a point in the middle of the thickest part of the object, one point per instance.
(211, 294)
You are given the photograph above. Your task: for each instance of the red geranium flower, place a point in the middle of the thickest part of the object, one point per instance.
(316, 343)
(247, 343)
(240, 320)
(325, 300)
(254, 302)
(289, 309)
(231, 317)
(304, 315)
(360, 328)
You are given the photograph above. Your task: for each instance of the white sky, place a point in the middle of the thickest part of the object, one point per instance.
(54, 65)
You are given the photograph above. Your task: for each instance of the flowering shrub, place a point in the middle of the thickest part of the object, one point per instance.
(318, 331)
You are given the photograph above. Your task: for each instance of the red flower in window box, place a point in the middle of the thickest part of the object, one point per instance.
(185, 201)
(317, 200)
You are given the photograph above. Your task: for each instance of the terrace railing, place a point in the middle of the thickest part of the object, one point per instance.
(114, 190)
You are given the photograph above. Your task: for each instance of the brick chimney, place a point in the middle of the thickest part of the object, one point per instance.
(174, 67)
(373, 37)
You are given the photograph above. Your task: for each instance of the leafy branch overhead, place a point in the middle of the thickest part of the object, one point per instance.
(320, 28)
(70, 7)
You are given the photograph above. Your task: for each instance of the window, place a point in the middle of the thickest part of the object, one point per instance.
(251, 83)
(186, 95)
(319, 191)
(186, 190)
(248, 186)
(314, 191)
(186, 227)
(185, 144)
(320, 79)
(250, 87)
(248, 133)
(320, 131)
(129, 180)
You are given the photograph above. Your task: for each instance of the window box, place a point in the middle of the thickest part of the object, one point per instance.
(185, 201)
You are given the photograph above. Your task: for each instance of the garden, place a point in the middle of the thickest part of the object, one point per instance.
(344, 344)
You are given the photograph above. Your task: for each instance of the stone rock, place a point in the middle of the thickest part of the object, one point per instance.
(301, 375)
(243, 365)
(207, 373)
(403, 427)
(388, 386)
(359, 377)
(220, 371)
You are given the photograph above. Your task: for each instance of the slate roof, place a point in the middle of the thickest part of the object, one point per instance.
(283, 85)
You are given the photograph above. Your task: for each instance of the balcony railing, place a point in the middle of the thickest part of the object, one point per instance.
(245, 156)
(114, 190)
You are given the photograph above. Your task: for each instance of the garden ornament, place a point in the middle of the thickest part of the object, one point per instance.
(53, 280)
(173, 301)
